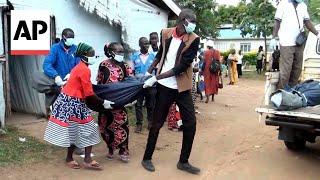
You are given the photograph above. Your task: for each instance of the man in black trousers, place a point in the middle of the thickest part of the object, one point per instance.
(178, 48)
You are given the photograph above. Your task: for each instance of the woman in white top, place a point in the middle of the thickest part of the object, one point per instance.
(239, 63)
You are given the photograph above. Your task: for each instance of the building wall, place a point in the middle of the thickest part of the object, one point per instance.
(2, 101)
(68, 13)
(225, 45)
(137, 17)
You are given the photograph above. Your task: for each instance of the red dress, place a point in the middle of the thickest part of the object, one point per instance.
(211, 80)
(113, 124)
(71, 122)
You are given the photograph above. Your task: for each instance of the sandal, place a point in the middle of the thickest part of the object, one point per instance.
(73, 164)
(93, 165)
(124, 158)
(109, 156)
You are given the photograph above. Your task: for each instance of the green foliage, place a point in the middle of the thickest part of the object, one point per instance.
(314, 10)
(258, 19)
(250, 58)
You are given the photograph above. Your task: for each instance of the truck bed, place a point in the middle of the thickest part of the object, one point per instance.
(310, 113)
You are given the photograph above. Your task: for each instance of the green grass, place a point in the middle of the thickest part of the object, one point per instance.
(12, 151)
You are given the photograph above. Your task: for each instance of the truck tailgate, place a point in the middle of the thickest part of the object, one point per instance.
(311, 113)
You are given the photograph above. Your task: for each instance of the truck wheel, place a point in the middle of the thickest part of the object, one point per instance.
(298, 144)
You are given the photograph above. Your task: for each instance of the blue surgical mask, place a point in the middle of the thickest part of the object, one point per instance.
(190, 27)
(69, 41)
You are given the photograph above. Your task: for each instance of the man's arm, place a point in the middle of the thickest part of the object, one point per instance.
(185, 63)
(48, 64)
(311, 27)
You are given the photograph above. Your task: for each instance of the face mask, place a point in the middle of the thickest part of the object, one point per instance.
(91, 60)
(118, 58)
(190, 27)
(69, 41)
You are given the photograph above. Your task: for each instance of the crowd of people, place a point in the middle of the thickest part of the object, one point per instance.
(177, 72)
(170, 68)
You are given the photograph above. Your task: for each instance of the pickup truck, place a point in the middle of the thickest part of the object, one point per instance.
(296, 127)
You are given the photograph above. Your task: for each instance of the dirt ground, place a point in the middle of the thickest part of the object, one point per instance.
(230, 144)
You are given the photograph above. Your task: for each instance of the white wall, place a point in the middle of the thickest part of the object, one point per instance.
(2, 100)
(1, 37)
(137, 17)
(225, 45)
(68, 13)
(141, 20)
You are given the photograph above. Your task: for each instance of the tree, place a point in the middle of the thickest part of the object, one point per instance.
(207, 23)
(258, 20)
(314, 10)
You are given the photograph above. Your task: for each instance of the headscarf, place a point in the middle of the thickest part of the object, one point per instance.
(83, 49)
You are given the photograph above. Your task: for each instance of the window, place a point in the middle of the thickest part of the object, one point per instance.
(245, 47)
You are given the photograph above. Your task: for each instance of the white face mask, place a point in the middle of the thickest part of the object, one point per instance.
(119, 58)
(92, 60)
(69, 41)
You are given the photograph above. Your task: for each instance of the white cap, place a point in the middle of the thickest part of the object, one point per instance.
(210, 43)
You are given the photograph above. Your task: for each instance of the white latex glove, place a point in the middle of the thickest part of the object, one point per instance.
(273, 43)
(59, 81)
(150, 82)
(107, 104)
(147, 74)
(67, 77)
(318, 36)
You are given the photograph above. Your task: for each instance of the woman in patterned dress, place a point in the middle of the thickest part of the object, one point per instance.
(113, 123)
(71, 124)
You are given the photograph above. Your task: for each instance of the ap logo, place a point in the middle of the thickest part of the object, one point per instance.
(30, 32)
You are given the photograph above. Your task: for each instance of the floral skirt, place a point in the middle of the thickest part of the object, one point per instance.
(113, 125)
(71, 123)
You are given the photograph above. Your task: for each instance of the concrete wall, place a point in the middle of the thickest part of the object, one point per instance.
(224, 45)
(68, 13)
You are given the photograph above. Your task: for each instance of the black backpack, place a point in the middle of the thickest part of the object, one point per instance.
(215, 66)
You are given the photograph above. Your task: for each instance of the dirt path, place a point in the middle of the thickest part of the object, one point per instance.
(230, 144)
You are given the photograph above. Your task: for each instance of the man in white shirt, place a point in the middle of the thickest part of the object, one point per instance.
(178, 48)
(290, 18)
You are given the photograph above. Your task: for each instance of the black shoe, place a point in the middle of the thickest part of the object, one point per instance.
(188, 168)
(138, 129)
(147, 164)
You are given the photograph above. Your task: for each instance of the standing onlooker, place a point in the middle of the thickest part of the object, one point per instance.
(275, 59)
(154, 40)
(239, 63)
(113, 124)
(233, 74)
(178, 48)
(290, 18)
(71, 123)
(142, 60)
(211, 79)
(260, 56)
(59, 63)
